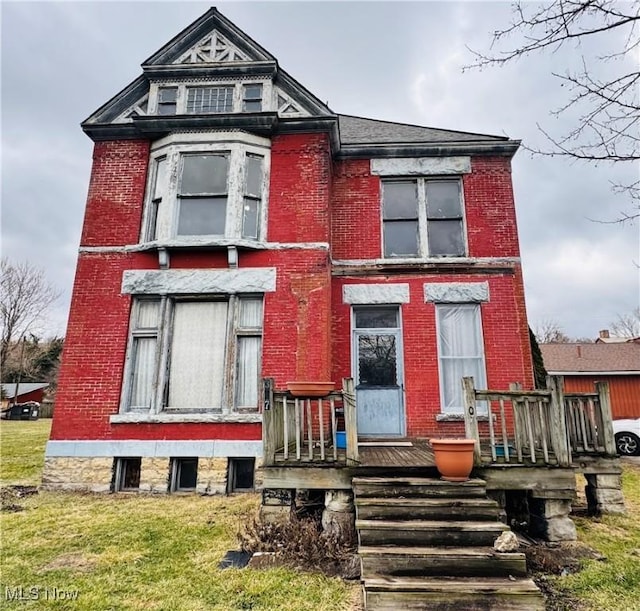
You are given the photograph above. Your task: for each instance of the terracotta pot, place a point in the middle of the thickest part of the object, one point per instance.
(454, 458)
(310, 389)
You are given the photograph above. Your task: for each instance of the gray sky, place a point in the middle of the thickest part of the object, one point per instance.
(392, 61)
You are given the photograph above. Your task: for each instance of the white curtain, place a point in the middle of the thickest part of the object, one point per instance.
(248, 371)
(198, 345)
(144, 350)
(461, 352)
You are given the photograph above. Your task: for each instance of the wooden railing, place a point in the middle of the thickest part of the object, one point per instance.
(305, 429)
(538, 426)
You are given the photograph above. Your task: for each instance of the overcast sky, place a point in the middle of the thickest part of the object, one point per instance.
(393, 61)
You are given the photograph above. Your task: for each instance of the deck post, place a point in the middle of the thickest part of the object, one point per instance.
(471, 417)
(602, 388)
(557, 421)
(268, 423)
(350, 420)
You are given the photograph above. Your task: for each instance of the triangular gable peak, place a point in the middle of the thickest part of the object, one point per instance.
(212, 49)
(221, 62)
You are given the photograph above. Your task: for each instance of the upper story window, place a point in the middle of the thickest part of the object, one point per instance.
(422, 218)
(182, 99)
(214, 189)
(209, 99)
(167, 99)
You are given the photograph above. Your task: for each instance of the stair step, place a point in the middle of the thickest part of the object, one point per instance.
(440, 561)
(449, 594)
(416, 486)
(380, 508)
(428, 532)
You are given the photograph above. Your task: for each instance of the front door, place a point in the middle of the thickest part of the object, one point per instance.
(377, 350)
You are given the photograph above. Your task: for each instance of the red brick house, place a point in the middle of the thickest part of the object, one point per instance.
(614, 362)
(236, 229)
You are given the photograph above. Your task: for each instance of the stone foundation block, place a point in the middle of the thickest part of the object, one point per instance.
(275, 513)
(154, 475)
(212, 476)
(550, 519)
(82, 474)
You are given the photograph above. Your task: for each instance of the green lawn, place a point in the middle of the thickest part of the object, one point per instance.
(137, 551)
(159, 552)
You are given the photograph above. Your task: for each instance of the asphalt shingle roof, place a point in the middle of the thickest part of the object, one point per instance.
(359, 130)
(591, 357)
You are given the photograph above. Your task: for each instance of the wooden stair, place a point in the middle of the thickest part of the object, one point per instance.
(428, 544)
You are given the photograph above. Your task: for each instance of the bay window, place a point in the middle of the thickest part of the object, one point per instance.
(200, 189)
(194, 354)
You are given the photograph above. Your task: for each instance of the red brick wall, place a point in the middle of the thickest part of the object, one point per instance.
(306, 325)
(116, 191)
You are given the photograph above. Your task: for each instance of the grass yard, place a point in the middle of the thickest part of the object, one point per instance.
(136, 551)
(612, 585)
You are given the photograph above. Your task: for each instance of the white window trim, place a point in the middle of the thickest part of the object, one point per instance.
(237, 84)
(173, 148)
(161, 373)
(478, 383)
(423, 240)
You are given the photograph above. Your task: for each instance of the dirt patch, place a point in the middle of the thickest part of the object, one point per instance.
(547, 560)
(9, 495)
(74, 561)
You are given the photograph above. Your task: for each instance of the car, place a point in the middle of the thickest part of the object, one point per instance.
(627, 434)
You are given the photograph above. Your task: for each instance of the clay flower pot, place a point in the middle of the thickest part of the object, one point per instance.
(310, 389)
(454, 458)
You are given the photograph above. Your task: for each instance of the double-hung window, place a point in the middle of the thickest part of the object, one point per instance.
(207, 189)
(460, 352)
(422, 218)
(194, 354)
(210, 98)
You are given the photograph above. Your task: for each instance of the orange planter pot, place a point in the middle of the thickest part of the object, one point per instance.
(454, 458)
(310, 389)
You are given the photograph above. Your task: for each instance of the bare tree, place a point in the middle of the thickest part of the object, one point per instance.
(25, 296)
(627, 325)
(608, 124)
(549, 332)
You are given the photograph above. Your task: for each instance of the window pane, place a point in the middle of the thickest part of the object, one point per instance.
(167, 94)
(453, 370)
(252, 106)
(400, 200)
(400, 238)
(148, 311)
(250, 218)
(445, 238)
(377, 360)
(204, 174)
(144, 356)
(376, 318)
(254, 176)
(248, 371)
(253, 92)
(443, 199)
(197, 354)
(250, 313)
(159, 184)
(187, 473)
(202, 216)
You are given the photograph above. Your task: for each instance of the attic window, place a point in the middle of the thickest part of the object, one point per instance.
(167, 98)
(209, 99)
(252, 98)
